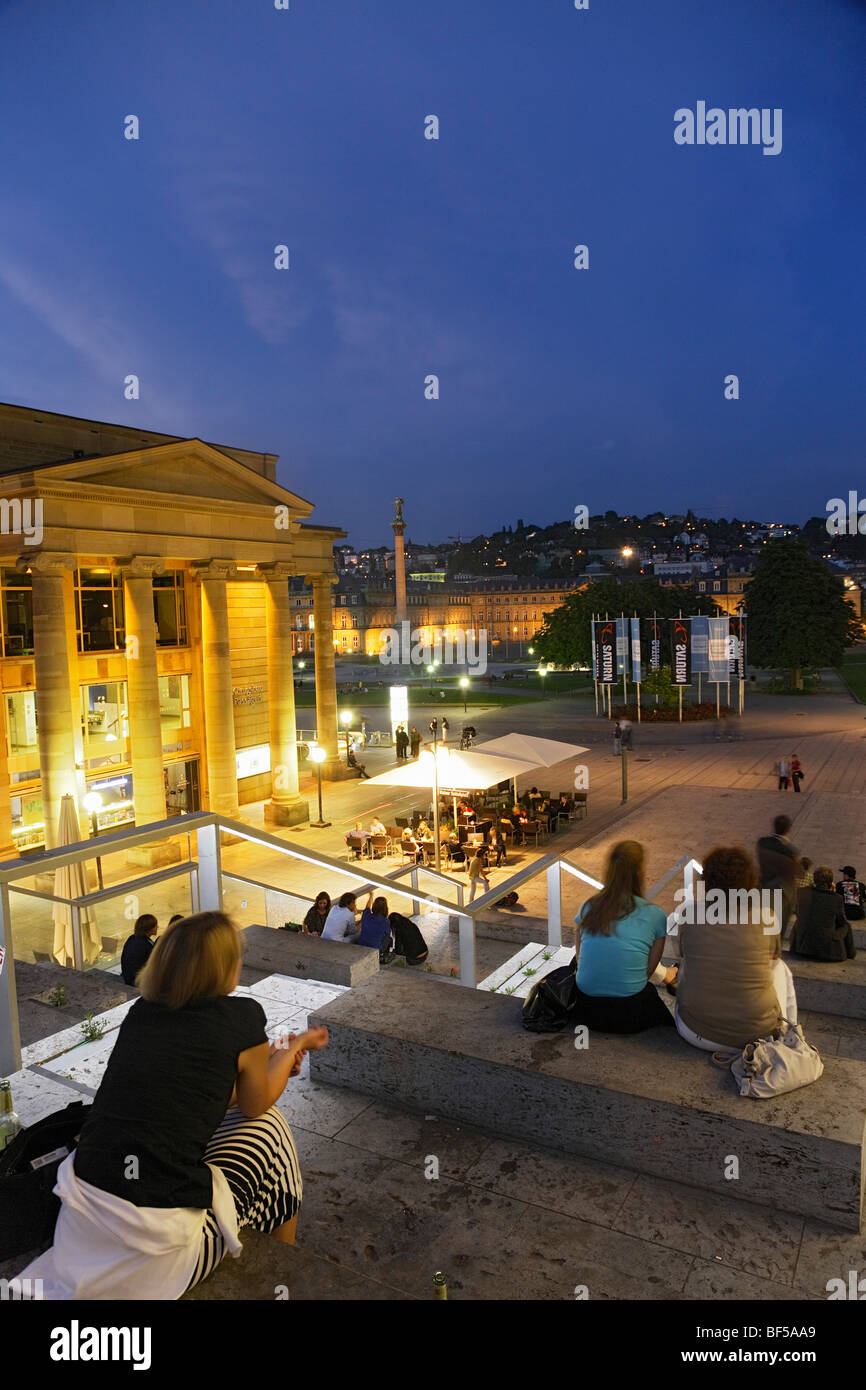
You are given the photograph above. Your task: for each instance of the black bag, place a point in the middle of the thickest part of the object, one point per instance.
(548, 1006)
(510, 900)
(28, 1207)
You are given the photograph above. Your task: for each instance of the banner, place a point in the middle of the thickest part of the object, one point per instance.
(622, 646)
(636, 662)
(680, 670)
(736, 666)
(719, 654)
(606, 648)
(700, 645)
(654, 628)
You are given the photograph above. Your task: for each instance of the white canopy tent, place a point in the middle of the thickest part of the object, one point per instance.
(453, 770)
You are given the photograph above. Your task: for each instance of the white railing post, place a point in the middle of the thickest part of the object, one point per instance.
(77, 944)
(466, 939)
(210, 894)
(554, 907)
(416, 906)
(10, 1037)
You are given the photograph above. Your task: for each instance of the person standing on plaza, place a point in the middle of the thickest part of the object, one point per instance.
(796, 772)
(477, 871)
(783, 770)
(415, 741)
(445, 727)
(400, 741)
(617, 739)
(434, 728)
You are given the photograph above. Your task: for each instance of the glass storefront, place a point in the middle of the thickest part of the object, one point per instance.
(21, 722)
(182, 788)
(174, 703)
(104, 723)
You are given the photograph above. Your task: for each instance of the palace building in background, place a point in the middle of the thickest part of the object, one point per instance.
(146, 627)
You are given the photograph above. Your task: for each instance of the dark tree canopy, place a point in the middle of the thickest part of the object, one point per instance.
(564, 637)
(797, 612)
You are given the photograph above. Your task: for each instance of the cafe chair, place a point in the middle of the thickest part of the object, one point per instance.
(581, 804)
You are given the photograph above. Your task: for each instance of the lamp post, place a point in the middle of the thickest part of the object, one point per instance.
(92, 803)
(317, 757)
(464, 686)
(542, 671)
(432, 748)
(345, 720)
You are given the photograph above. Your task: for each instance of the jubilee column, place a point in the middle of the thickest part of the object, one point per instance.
(286, 806)
(219, 715)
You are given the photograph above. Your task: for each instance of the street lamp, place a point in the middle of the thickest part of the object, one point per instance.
(92, 803)
(542, 671)
(464, 686)
(317, 756)
(346, 719)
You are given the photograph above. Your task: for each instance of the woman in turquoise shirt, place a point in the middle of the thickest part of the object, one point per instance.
(621, 940)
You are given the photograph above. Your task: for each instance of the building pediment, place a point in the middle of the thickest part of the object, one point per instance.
(188, 469)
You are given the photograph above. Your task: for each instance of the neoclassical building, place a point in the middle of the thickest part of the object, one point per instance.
(146, 627)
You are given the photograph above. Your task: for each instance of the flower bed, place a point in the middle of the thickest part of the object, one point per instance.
(658, 714)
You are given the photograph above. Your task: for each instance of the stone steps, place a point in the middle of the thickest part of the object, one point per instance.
(647, 1102)
(830, 987)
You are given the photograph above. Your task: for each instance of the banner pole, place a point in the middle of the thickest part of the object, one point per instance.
(699, 687)
(680, 689)
(638, 702)
(718, 688)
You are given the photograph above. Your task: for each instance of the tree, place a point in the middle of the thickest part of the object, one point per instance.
(564, 637)
(797, 611)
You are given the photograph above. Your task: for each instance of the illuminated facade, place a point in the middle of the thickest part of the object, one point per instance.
(145, 627)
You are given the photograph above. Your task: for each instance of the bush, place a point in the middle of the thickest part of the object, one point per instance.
(657, 714)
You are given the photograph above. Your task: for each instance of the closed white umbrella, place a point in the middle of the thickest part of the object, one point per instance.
(453, 770)
(70, 881)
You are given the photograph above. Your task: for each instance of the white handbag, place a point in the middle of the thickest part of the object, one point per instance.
(782, 1062)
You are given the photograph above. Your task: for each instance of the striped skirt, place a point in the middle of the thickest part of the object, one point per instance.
(260, 1162)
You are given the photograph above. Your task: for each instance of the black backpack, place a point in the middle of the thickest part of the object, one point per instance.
(550, 1003)
(28, 1207)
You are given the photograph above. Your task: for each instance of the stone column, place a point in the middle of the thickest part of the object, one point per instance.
(142, 700)
(285, 806)
(401, 607)
(334, 767)
(219, 714)
(56, 719)
(142, 690)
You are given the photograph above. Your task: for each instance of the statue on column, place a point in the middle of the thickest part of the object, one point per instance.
(398, 508)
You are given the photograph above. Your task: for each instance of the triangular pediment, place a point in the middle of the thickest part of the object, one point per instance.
(188, 469)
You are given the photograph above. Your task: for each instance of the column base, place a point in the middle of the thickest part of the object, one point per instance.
(336, 770)
(287, 812)
(154, 856)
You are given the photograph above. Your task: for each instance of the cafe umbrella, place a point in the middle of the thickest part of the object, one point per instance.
(540, 752)
(441, 768)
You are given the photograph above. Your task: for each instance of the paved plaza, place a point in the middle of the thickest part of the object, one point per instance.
(509, 1220)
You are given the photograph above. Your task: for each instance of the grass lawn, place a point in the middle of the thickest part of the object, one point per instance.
(853, 672)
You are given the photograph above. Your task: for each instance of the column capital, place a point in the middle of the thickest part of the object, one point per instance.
(320, 580)
(215, 569)
(279, 569)
(47, 562)
(140, 566)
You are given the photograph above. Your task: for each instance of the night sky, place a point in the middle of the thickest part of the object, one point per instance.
(455, 257)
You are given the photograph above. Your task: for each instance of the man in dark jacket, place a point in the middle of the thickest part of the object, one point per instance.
(822, 932)
(408, 940)
(780, 867)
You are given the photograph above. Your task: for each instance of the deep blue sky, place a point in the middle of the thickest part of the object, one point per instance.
(410, 256)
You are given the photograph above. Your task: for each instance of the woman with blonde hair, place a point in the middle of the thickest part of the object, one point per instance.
(183, 1145)
(621, 938)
